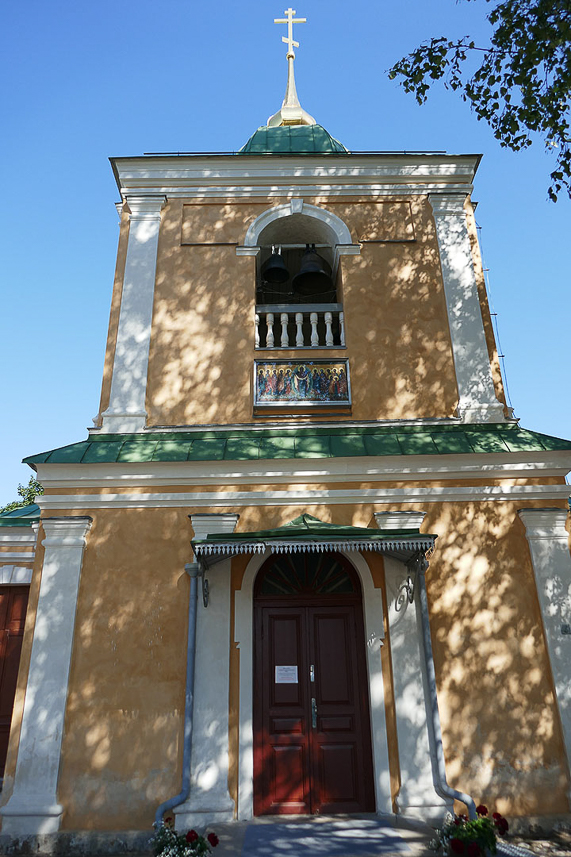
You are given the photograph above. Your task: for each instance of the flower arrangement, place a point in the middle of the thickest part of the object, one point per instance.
(470, 837)
(166, 842)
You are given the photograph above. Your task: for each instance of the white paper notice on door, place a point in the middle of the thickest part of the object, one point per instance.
(286, 675)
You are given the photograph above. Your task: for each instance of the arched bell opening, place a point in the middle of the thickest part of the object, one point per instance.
(312, 733)
(297, 262)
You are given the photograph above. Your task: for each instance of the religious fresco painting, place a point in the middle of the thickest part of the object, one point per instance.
(313, 382)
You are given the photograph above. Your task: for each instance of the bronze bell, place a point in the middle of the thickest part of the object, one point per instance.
(274, 270)
(313, 277)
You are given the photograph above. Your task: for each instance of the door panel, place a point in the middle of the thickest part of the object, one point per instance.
(281, 750)
(300, 768)
(341, 743)
(13, 605)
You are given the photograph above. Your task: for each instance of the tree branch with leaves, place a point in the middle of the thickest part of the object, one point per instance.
(28, 494)
(522, 86)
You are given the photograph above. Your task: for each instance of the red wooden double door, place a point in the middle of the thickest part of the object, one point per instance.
(312, 750)
(13, 605)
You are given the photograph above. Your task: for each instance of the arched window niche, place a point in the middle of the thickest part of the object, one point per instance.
(294, 311)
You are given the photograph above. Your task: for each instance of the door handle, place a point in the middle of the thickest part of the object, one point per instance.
(313, 713)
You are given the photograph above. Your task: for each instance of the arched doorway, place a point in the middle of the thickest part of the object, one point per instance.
(312, 735)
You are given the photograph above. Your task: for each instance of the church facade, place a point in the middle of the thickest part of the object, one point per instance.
(306, 561)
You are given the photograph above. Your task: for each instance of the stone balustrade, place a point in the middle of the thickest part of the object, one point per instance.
(299, 326)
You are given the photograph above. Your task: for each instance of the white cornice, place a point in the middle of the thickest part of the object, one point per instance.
(327, 497)
(222, 175)
(358, 468)
(17, 537)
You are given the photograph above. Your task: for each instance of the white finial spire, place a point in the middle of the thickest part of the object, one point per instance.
(291, 113)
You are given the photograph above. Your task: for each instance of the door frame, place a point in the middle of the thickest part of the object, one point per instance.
(244, 637)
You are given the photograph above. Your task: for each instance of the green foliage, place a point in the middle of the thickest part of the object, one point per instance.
(28, 494)
(461, 836)
(522, 86)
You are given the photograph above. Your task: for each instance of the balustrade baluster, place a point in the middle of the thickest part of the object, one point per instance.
(257, 336)
(328, 330)
(342, 327)
(314, 333)
(299, 340)
(270, 333)
(284, 318)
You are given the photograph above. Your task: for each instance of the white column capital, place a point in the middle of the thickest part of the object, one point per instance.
(447, 204)
(66, 531)
(206, 523)
(146, 207)
(399, 520)
(544, 523)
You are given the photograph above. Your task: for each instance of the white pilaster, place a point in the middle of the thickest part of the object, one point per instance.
(477, 397)
(33, 807)
(209, 801)
(417, 796)
(126, 411)
(549, 547)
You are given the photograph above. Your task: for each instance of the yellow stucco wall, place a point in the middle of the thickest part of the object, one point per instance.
(121, 752)
(202, 341)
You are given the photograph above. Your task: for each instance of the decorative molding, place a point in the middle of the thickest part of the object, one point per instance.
(209, 524)
(15, 575)
(414, 468)
(197, 499)
(404, 189)
(407, 545)
(337, 230)
(17, 537)
(545, 523)
(399, 520)
(378, 174)
(67, 531)
(33, 807)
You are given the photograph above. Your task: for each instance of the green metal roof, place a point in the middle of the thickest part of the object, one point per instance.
(23, 516)
(309, 534)
(292, 140)
(323, 442)
(306, 526)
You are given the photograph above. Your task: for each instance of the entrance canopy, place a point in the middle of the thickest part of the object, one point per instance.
(309, 534)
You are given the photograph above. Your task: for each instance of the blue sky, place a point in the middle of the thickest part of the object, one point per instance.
(85, 81)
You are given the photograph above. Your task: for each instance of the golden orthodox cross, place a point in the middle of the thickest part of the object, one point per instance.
(290, 21)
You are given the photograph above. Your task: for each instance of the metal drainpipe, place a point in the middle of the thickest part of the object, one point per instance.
(192, 569)
(435, 733)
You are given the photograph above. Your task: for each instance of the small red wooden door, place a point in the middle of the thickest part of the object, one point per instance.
(13, 605)
(312, 733)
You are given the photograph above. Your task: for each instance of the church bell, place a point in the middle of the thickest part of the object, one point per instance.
(313, 277)
(274, 270)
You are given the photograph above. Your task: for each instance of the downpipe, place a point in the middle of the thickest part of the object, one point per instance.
(435, 733)
(193, 571)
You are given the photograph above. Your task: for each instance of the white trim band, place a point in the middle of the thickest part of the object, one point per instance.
(197, 499)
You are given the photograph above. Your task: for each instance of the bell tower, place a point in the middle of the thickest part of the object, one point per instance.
(297, 281)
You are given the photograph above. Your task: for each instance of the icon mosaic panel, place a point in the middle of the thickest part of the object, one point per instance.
(303, 382)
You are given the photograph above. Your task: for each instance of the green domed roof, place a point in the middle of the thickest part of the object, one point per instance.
(292, 140)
